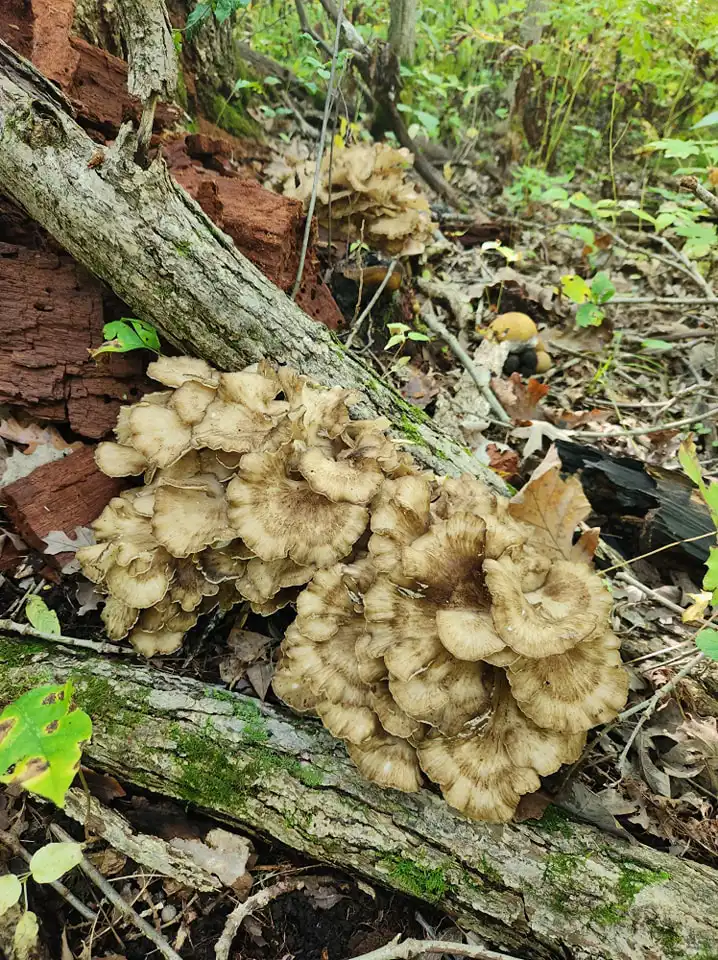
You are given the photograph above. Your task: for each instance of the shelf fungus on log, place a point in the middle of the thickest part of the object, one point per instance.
(441, 630)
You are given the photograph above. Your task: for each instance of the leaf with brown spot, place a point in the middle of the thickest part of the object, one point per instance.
(554, 505)
(41, 737)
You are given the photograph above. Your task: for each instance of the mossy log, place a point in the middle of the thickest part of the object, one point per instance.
(154, 246)
(543, 889)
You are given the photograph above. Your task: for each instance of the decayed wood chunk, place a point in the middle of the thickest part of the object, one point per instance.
(51, 315)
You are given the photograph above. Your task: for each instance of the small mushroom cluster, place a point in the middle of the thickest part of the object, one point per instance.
(440, 629)
(253, 482)
(365, 193)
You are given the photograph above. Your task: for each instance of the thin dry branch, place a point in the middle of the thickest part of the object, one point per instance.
(698, 190)
(243, 910)
(117, 901)
(417, 948)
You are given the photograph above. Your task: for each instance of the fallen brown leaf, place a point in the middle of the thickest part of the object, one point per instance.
(520, 400)
(504, 462)
(554, 505)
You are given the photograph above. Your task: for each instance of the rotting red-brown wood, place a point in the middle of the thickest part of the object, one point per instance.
(51, 315)
(61, 495)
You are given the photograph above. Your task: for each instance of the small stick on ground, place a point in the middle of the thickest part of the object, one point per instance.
(642, 431)
(434, 324)
(416, 948)
(367, 310)
(116, 900)
(12, 843)
(99, 646)
(243, 910)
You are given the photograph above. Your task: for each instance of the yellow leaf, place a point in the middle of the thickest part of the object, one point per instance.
(697, 608)
(448, 172)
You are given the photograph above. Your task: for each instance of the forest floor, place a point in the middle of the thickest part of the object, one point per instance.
(618, 400)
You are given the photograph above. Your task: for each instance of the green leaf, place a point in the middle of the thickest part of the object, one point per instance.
(707, 641)
(688, 459)
(553, 194)
(415, 335)
(602, 288)
(581, 201)
(710, 120)
(710, 580)
(196, 17)
(710, 495)
(428, 121)
(575, 288)
(26, 936)
(127, 334)
(678, 149)
(10, 892)
(589, 315)
(582, 233)
(651, 344)
(393, 341)
(41, 616)
(40, 741)
(54, 860)
(223, 9)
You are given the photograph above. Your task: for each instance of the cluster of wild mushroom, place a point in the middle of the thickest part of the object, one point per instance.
(364, 192)
(437, 631)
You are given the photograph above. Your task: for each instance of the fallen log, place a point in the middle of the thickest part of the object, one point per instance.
(545, 889)
(141, 233)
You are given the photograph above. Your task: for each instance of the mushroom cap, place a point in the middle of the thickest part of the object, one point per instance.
(513, 326)
(96, 559)
(118, 618)
(371, 669)
(141, 584)
(354, 724)
(176, 371)
(575, 690)
(543, 361)
(402, 625)
(570, 607)
(161, 643)
(290, 685)
(221, 563)
(117, 460)
(232, 427)
(189, 586)
(465, 493)
(158, 433)
(389, 761)
(263, 580)
(392, 718)
(468, 633)
(332, 598)
(485, 771)
(190, 514)
(190, 401)
(329, 668)
(278, 516)
(354, 480)
(446, 695)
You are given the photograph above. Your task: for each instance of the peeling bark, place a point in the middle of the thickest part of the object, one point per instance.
(154, 246)
(151, 56)
(545, 889)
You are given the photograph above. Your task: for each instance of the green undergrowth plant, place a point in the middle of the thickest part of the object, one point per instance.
(707, 637)
(122, 336)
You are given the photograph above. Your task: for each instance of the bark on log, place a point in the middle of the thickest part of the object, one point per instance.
(142, 234)
(545, 889)
(151, 55)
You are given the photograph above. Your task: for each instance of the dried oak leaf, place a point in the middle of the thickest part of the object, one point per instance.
(521, 400)
(552, 505)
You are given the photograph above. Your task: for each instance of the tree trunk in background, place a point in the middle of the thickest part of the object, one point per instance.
(402, 28)
(544, 890)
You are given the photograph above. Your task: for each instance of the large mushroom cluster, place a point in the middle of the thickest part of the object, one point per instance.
(439, 631)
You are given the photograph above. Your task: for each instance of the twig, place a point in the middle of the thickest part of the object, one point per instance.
(307, 129)
(433, 323)
(670, 301)
(698, 190)
(635, 248)
(367, 310)
(17, 848)
(117, 902)
(320, 151)
(256, 902)
(690, 268)
(307, 28)
(101, 646)
(641, 431)
(653, 594)
(661, 692)
(415, 948)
